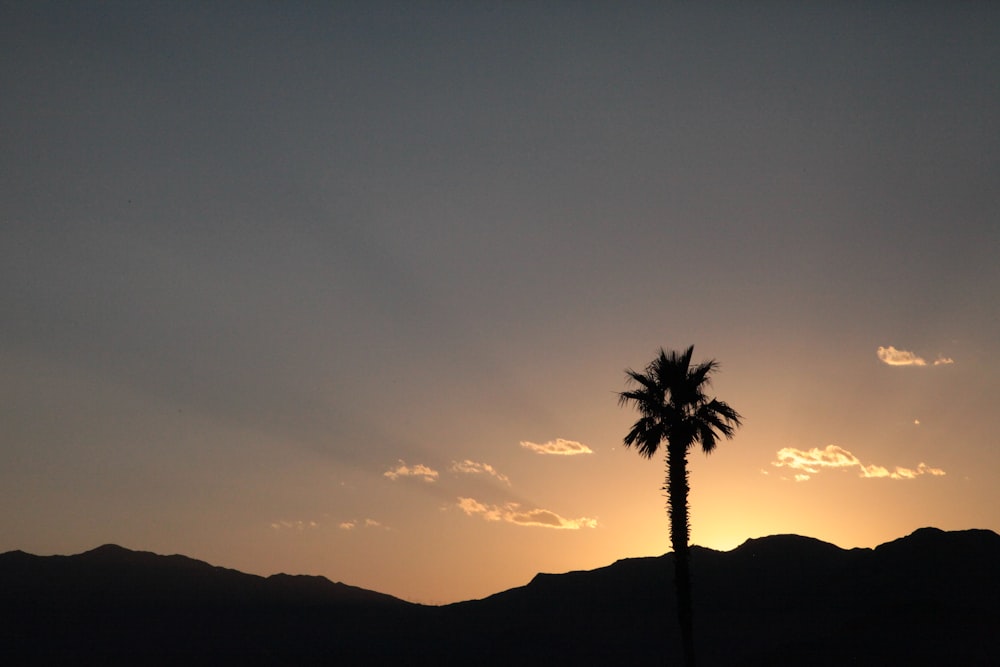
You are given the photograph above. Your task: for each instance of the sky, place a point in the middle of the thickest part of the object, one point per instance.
(349, 289)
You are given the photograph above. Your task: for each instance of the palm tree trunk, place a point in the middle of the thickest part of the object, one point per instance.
(677, 508)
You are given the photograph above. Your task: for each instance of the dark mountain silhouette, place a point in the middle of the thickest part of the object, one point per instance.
(929, 598)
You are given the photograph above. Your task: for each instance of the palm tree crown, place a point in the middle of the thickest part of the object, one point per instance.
(673, 407)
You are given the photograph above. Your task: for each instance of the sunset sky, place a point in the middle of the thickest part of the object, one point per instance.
(348, 289)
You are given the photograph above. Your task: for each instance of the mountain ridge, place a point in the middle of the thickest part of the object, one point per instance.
(783, 599)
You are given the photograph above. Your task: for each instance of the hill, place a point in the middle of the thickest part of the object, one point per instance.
(925, 599)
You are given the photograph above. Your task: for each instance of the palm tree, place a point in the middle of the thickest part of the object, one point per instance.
(673, 407)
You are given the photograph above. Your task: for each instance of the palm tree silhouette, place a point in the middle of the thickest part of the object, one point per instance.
(673, 407)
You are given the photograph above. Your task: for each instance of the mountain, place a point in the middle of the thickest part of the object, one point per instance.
(115, 606)
(929, 598)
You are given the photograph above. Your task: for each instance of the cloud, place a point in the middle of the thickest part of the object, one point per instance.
(893, 357)
(901, 473)
(474, 468)
(513, 513)
(558, 446)
(354, 523)
(419, 470)
(293, 525)
(811, 462)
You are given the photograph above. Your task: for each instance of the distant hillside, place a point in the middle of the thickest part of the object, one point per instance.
(115, 606)
(929, 598)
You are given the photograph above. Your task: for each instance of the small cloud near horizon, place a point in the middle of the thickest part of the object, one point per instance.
(559, 447)
(513, 513)
(293, 525)
(810, 462)
(419, 470)
(470, 467)
(893, 357)
(354, 523)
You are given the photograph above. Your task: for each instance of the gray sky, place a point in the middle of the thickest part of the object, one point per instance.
(254, 256)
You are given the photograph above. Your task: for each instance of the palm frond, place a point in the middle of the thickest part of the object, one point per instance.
(700, 374)
(646, 435)
(707, 437)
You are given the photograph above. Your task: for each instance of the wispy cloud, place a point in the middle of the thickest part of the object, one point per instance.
(293, 525)
(902, 473)
(893, 357)
(469, 467)
(354, 523)
(514, 513)
(558, 446)
(419, 470)
(807, 463)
